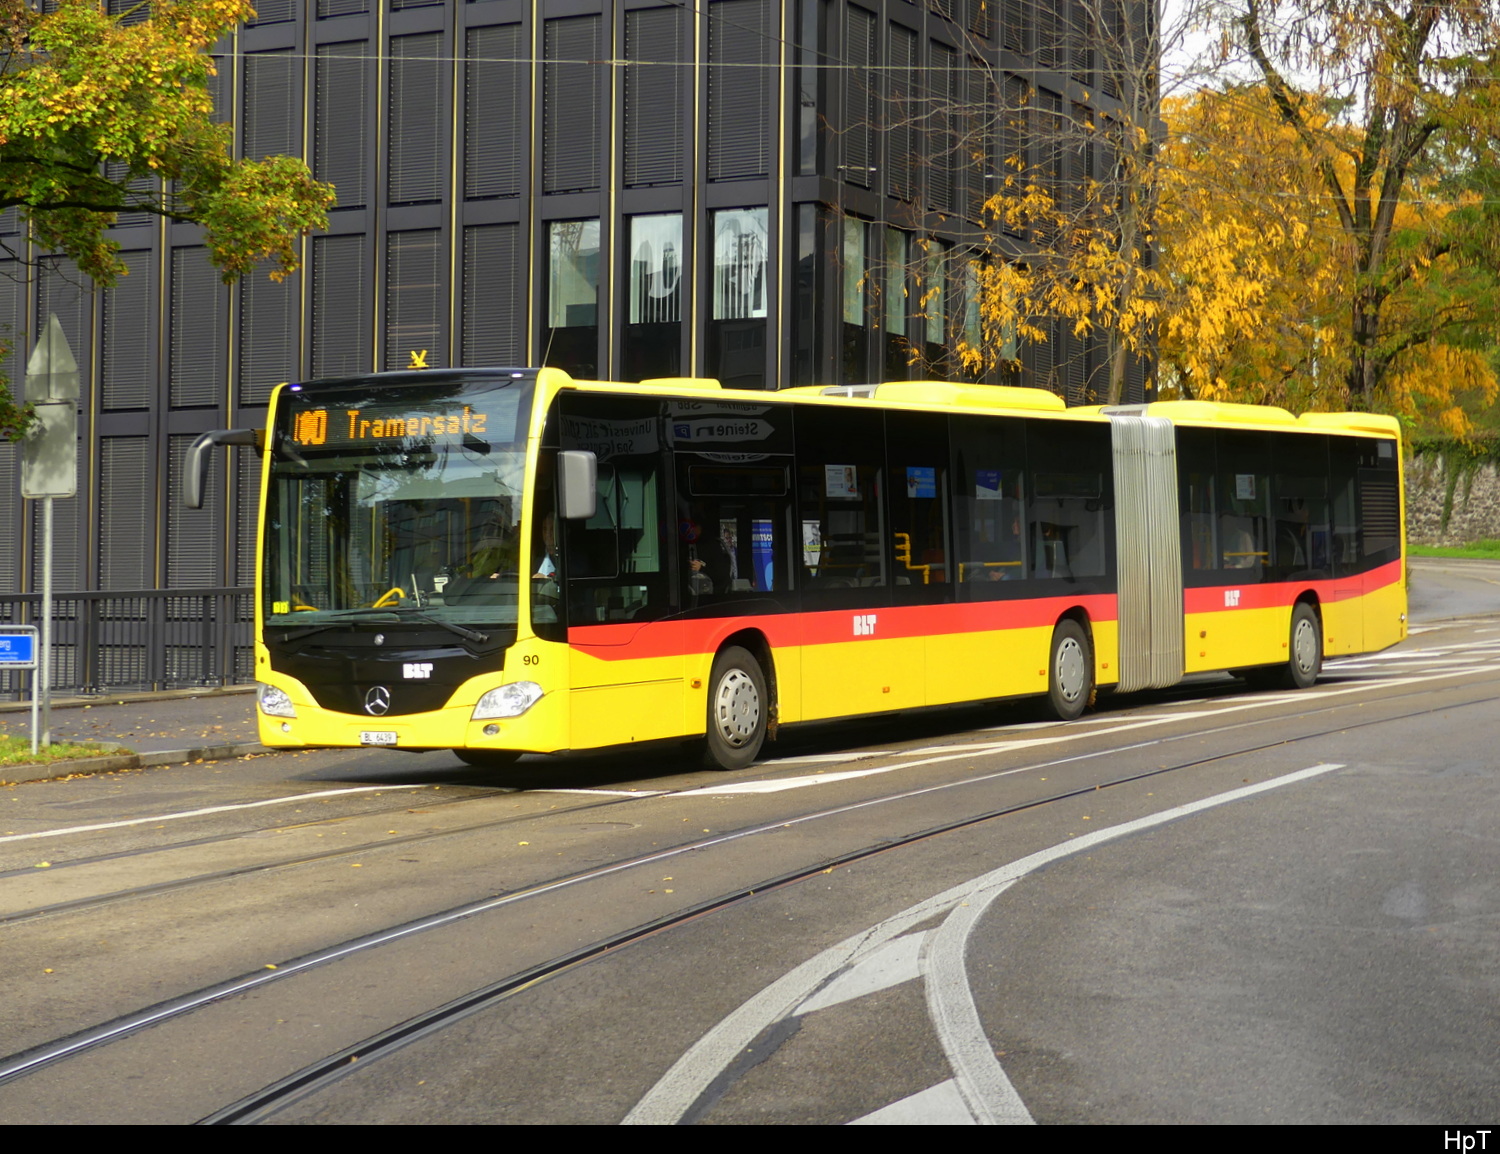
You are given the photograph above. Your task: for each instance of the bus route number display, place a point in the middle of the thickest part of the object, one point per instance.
(354, 426)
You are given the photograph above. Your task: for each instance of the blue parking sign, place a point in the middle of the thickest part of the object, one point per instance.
(17, 647)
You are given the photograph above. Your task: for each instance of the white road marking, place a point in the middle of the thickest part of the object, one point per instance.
(816, 758)
(607, 792)
(890, 965)
(987, 1092)
(940, 1105)
(692, 1074)
(778, 784)
(207, 811)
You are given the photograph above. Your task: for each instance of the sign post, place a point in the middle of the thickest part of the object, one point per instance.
(49, 468)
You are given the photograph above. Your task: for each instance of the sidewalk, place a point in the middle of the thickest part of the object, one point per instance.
(159, 729)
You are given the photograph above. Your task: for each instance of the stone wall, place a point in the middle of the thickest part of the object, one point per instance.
(1476, 502)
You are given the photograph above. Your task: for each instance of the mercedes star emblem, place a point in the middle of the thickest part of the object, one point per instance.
(378, 700)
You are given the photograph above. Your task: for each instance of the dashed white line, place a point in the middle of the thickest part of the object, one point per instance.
(208, 811)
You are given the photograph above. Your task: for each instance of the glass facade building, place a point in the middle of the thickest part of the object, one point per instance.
(770, 192)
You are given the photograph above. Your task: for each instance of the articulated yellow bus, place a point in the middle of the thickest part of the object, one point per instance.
(502, 562)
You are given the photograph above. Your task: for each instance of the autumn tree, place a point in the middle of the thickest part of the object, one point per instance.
(1260, 277)
(1393, 111)
(102, 114)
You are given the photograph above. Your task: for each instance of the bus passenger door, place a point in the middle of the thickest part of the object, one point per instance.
(625, 644)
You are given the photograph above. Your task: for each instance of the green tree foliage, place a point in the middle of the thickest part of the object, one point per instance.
(102, 114)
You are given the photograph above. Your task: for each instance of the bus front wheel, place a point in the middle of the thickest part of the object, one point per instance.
(737, 710)
(1070, 680)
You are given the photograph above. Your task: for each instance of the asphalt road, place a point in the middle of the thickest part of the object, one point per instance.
(1200, 905)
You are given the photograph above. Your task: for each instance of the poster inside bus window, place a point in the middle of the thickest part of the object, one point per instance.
(841, 482)
(921, 481)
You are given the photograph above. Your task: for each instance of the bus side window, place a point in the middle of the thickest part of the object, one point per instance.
(845, 545)
(988, 511)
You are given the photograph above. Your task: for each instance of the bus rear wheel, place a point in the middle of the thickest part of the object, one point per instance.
(488, 758)
(1305, 647)
(1070, 679)
(737, 710)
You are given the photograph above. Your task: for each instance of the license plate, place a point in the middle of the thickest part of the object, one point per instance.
(377, 737)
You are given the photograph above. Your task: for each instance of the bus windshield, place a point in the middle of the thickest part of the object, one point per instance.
(398, 501)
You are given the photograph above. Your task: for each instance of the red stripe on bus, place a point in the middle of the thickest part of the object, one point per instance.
(1282, 594)
(672, 638)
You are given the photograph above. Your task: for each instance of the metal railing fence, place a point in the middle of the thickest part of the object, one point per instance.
(141, 640)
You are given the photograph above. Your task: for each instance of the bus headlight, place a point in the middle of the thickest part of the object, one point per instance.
(508, 701)
(274, 702)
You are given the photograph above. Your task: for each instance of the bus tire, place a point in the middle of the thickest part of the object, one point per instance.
(488, 758)
(737, 710)
(1070, 671)
(1304, 648)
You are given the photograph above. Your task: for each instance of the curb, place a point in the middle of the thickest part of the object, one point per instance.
(101, 699)
(15, 774)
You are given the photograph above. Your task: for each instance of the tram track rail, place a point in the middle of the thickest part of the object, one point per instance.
(311, 1078)
(293, 861)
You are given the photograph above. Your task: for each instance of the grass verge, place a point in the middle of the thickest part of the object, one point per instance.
(17, 751)
(1487, 549)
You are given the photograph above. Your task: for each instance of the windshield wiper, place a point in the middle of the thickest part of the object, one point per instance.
(340, 616)
(395, 614)
(467, 634)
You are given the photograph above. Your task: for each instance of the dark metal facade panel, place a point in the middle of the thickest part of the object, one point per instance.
(341, 321)
(341, 116)
(654, 85)
(494, 287)
(496, 81)
(418, 119)
(127, 524)
(572, 84)
(195, 537)
(197, 336)
(127, 309)
(742, 43)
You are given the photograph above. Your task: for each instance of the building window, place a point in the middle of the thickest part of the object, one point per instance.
(572, 337)
(736, 352)
(807, 310)
(895, 302)
(856, 333)
(652, 345)
(935, 307)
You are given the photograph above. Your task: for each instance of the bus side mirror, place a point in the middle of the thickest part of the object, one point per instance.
(195, 467)
(577, 484)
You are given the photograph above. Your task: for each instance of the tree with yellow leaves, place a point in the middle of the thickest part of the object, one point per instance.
(1392, 118)
(1262, 279)
(102, 114)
